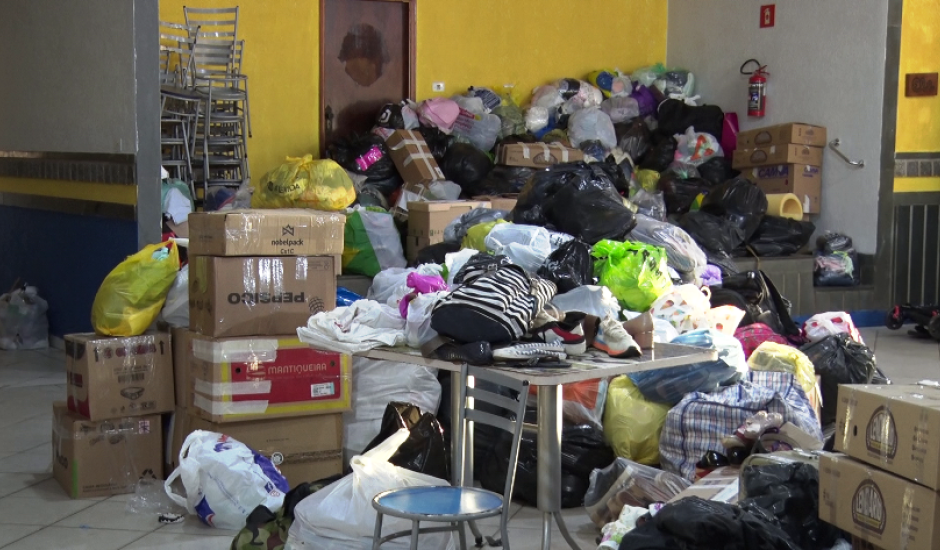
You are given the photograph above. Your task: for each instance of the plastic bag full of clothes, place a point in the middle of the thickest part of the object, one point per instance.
(839, 360)
(371, 242)
(575, 198)
(739, 201)
(457, 229)
(632, 423)
(836, 261)
(621, 108)
(23, 321)
(680, 193)
(570, 266)
(682, 253)
(697, 147)
(780, 236)
(635, 272)
(305, 183)
(634, 139)
(367, 155)
(591, 124)
(466, 166)
(650, 204)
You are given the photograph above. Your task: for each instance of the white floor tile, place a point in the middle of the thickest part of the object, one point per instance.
(37, 460)
(75, 539)
(111, 515)
(162, 541)
(11, 534)
(49, 491)
(37, 511)
(12, 483)
(192, 526)
(26, 435)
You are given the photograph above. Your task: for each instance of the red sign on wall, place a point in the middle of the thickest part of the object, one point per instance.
(767, 14)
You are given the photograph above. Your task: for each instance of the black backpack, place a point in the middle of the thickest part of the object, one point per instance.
(756, 295)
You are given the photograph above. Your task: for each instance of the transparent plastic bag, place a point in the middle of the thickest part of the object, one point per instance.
(682, 252)
(131, 296)
(23, 321)
(591, 124)
(526, 245)
(650, 205)
(305, 183)
(371, 242)
(621, 108)
(632, 423)
(694, 148)
(457, 229)
(175, 310)
(478, 130)
(628, 483)
(830, 323)
(591, 299)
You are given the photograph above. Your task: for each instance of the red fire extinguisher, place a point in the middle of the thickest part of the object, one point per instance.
(756, 89)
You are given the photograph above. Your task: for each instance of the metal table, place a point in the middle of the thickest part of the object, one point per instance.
(549, 383)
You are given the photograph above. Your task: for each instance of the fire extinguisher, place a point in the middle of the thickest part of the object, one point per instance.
(756, 89)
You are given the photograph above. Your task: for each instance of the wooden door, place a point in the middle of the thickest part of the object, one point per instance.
(367, 52)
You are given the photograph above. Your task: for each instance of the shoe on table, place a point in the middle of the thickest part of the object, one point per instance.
(573, 340)
(534, 350)
(613, 339)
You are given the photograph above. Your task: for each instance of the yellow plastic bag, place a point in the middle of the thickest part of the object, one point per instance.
(477, 234)
(771, 356)
(132, 295)
(305, 183)
(632, 424)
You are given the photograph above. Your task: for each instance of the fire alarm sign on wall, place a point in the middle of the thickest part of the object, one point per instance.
(767, 15)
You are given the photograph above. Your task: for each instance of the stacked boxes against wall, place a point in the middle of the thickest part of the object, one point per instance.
(255, 277)
(786, 158)
(109, 432)
(884, 488)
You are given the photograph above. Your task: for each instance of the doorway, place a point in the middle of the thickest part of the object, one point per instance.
(367, 59)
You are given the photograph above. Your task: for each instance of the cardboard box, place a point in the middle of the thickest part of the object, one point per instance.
(181, 340)
(536, 155)
(777, 154)
(259, 295)
(720, 485)
(428, 219)
(802, 180)
(896, 428)
(862, 544)
(793, 132)
(881, 508)
(96, 459)
(412, 157)
(499, 202)
(116, 377)
(239, 379)
(304, 448)
(285, 232)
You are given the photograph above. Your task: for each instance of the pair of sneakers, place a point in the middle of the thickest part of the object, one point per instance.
(612, 338)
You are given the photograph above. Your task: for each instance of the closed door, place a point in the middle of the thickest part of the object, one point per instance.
(367, 60)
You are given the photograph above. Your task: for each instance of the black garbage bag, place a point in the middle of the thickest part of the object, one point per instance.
(780, 236)
(716, 235)
(755, 294)
(634, 138)
(505, 179)
(679, 193)
(516, 138)
(424, 450)
(578, 199)
(717, 170)
(583, 449)
(839, 360)
(366, 155)
(661, 155)
(695, 524)
(836, 261)
(790, 492)
(435, 253)
(438, 142)
(466, 166)
(675, 117)
(389, 116)
(593, 148)
(738, 201)
(569, 267)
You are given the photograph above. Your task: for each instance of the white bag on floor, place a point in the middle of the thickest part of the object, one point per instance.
(830, 323)
(340, 516)
(225, 480)
(175, 310)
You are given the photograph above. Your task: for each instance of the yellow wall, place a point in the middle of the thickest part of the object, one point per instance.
(460, 42)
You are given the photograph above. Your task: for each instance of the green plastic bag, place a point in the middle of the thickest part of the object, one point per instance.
(634, 272)
(371, 242)
(632, 424)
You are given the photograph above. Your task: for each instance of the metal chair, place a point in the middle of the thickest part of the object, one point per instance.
(215, 24)
(179, 102)
(463, 503)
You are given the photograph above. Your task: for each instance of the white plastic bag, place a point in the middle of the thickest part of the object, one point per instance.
(341, 516)
(685, 306)
(526, 245)
(682, 252)
(225, 480)
(694, 148)
(392, 282)
(480, 130)
(591, 124)
(621, 108)
(23, 321)
(418, 324)
(591, 299)
(830, 323)
(175, 310)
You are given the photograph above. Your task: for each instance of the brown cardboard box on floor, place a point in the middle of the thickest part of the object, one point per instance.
(896, 428)
(787, 153)
(881, 508)
(258, 377)
(304, 448)
(500, 202)
(792, 132)
(802, 180)
(428, 219)
(412, 157)
(112, 377)
(277, 232)
(536, 155)
(720, 485)
(96, 459)
(258, 295)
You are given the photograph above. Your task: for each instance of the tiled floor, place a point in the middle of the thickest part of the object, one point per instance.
(36, 514)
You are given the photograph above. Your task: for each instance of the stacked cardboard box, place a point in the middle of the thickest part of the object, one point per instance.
(428, 219)
(883, 489)
(786, 158)
(255, 276)
(109, 433)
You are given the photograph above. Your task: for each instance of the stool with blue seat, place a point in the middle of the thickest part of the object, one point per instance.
(458, 505)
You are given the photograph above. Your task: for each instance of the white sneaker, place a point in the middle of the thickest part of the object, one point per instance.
(535, 350)
(615, 340)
